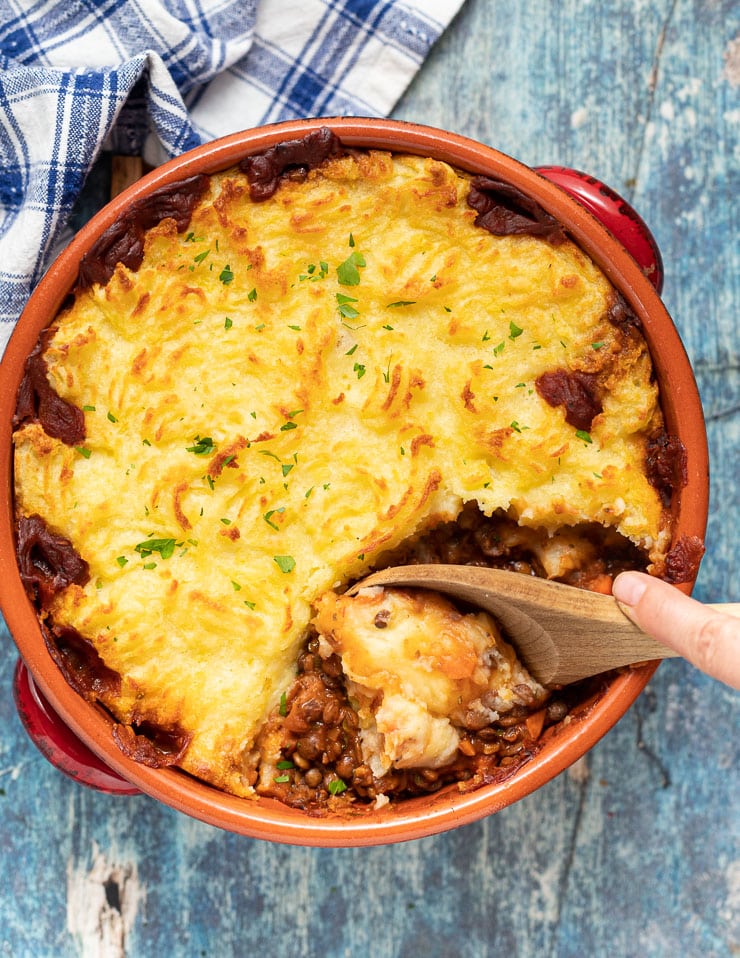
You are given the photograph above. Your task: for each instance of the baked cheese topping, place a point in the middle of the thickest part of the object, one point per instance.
(287, 390)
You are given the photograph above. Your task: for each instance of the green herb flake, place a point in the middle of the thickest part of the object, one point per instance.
(122, 561)
(252, 295)
(584, 436)
(88, 408)
(111, 417)
(598, 346)
(514, 330)
(281, 779)
(351, 349)
(359, 369)
(515, 426)
(84, 451)
(286, 564)
(225, 521)
(202, 446)
(201, 256)
(345, 309)
(226, 275)
(268, 517)
(348, 272)
(401, 302)
(165, 548)
(228, 323)
(236, 586)
(250, 605)
(283, 705)
(497, 350)
(336, 786)
(284, 764)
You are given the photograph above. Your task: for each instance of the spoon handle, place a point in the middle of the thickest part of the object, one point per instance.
(562, 634)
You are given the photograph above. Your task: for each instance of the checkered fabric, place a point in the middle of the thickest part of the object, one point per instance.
(158, 77)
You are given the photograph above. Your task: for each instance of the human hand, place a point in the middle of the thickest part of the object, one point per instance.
(706, 637)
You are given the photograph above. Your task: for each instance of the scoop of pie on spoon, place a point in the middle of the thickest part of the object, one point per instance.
(562, 633)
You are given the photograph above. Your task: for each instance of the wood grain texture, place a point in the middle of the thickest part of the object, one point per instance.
(634, 850)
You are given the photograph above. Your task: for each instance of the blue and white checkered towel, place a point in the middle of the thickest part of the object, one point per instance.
(158, 77)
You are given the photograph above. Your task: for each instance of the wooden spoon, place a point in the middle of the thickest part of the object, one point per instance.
(562, 633)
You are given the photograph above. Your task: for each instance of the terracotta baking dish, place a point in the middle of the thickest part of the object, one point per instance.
(42, 693)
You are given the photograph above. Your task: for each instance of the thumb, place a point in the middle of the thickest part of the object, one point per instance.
(707, 638)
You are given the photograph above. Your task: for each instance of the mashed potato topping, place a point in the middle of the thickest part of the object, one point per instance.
(420, 671)
(286, 391)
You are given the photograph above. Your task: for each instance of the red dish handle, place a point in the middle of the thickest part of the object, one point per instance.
(58, 743)
(615, 213)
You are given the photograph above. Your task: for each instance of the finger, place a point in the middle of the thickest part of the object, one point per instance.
(708, 639)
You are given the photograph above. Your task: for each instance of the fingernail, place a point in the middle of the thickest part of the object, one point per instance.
(629, 588)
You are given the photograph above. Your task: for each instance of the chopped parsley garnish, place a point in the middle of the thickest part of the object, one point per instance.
(348, 272)
(283, 705)
(336, 786)
(598, 345)
(284, 764)
(88, 408)
(226, 275)
(286, 426)
(286, 564)
(201, 256)
(402, 302)
(122, 561)
(359, 369)
(281, 779)
(111, 417)
(514, 330)
(252, 295)
(228, 323)
(165, 548)
(497, 350)
(311, 273)
(345, 309)
(202, 446)
(583, 435)
(268, 519)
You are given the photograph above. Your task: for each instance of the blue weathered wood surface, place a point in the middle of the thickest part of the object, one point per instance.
(633, 851)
